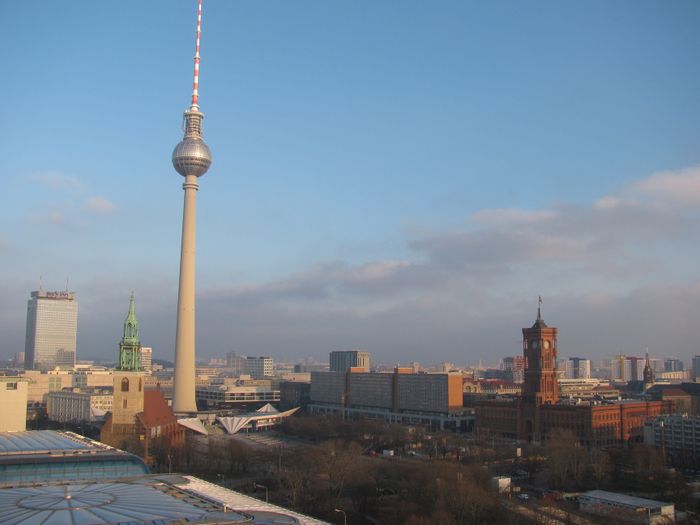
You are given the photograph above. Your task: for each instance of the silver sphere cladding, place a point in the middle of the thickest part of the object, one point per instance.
(191, 157)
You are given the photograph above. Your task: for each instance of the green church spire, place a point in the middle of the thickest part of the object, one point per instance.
(131, 325)
(130, 345)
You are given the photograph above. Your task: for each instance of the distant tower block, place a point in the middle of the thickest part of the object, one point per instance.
(191, 158)
(52, 330)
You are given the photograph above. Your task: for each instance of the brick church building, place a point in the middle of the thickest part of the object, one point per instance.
(140, 420)
(538, 410)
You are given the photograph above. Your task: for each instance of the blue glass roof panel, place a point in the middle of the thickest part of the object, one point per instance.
(38, 441)
(94, 504)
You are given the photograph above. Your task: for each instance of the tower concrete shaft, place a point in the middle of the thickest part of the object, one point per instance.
(184, 387)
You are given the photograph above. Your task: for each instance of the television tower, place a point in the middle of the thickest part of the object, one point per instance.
(191, 158)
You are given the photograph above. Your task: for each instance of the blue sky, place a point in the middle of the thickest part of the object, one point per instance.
(404, 177)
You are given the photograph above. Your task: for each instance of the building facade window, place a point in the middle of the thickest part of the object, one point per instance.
(125, 385)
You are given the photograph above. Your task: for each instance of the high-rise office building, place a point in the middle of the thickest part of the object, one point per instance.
(342, 360)
(696, 366)
(52, 330)
(671, 364)
(580, 368)
(636, 367)
(147, 358)
(18, 359)
(237, 363)
(619, 371)
(514, 366)
(259, 367)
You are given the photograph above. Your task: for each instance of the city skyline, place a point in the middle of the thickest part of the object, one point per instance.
(405, 181)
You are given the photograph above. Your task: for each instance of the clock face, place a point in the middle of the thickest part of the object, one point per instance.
(535, 344)
(546, 344)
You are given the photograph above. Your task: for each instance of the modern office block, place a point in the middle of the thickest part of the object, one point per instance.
(342, 360)
(52, 330)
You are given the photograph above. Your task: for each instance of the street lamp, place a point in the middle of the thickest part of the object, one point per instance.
(345, 517)
(267, 492)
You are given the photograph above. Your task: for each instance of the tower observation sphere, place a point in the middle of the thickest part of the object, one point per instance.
(191, 156)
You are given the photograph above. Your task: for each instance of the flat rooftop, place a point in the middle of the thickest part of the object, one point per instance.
(48, 441)
(625, 500)
(37, 441)
(147, 500)
(38, 455)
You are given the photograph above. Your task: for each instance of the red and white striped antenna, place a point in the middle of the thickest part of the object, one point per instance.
(195, 88)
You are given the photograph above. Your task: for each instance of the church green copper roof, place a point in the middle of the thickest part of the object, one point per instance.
(130, 345)
(131, 325)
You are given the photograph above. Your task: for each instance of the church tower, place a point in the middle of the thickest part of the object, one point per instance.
(648, 373)
(130, 345)
(128, 377)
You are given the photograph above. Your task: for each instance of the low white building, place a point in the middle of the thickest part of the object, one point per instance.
(79, 405)
(41, 383)
(222, 396)
(13, 400)
(637, 510)
(94, 377)
(501, 483)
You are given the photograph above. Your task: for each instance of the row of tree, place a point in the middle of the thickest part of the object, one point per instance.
(330, 465)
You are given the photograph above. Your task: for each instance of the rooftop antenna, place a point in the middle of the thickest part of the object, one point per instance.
(195, 87)
(41, 283)
(539, 307)
(67, 280)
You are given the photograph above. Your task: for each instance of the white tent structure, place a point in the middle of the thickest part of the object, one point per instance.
(193, 423)
(265, 417)
(97, 414)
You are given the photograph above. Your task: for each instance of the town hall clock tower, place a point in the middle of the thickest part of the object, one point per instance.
(540, 386)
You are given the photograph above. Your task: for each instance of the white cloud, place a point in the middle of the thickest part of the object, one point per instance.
(512, 215)
(56, 180)
(50, 217)
(376, 271)
(622, 263)
(100, 205)
(679, 186)
(615, 241)
(610, 202)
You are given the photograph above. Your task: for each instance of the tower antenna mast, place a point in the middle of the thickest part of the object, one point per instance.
(195, 87)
